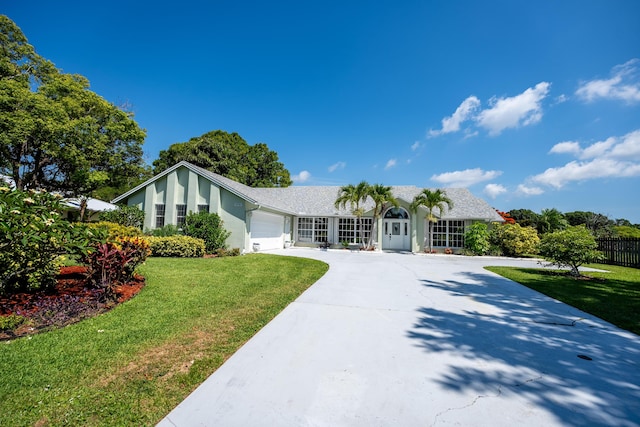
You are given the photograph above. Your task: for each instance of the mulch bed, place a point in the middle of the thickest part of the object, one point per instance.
(70, 301)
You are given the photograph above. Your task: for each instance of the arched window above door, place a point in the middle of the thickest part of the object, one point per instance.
(396, 213)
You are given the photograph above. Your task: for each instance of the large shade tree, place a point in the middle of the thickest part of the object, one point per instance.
(431, 200)
(55, 133)
(229, 155)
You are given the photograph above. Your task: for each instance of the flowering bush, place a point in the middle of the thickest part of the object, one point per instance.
(33, 235)
(513, 240)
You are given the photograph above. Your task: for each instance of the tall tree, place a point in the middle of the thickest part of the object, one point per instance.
(382, 197)
(55, 133)
(229, 155)
(431, 200)
(354, 195)
(525, 217)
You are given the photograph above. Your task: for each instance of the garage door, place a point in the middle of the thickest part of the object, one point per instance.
(267, 229)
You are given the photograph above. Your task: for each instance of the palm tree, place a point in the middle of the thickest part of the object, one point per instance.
(431, 200)
(354, 195)
(382, 196)
(551, 220)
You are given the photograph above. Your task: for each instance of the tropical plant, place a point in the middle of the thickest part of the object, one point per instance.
(382, 197)
(571, 247)
(431, 200)
(551, 220)
(354, 195)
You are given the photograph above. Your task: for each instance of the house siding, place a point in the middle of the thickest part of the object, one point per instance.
(187, 184)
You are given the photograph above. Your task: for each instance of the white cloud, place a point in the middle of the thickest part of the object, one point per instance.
(529, 191)
(391, 163)
(581, 171)
(466, 177)
(301, 177)
(415, 146)
(598, 149)
(494, 190)
(615, 157)
(464, 112)
(628, 148)
(624, 85)
(624, 148)
(520, 110)
(338, 165)
(568, 147)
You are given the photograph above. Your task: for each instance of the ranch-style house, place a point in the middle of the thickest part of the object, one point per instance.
(271, 218)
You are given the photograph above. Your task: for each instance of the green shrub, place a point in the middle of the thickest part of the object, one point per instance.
(129, 216)
(208, 227)
(115, 230)
(476, 239)
(33, 235)
(626, 231)
(570, 248)
(222, 252)
(176, 246)
(10, 322)
(167, 230)
(513, 240)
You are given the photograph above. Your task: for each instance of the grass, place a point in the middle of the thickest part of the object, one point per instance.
(613, 296)
(134, 364)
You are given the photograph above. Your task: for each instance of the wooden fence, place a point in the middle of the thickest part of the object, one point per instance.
(620, 251)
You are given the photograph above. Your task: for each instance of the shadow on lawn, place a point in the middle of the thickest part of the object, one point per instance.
(527, 344)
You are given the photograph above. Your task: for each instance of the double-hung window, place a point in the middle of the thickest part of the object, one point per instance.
(181, 214)
(159, 215)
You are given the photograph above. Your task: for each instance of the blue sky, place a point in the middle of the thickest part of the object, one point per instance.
(528, 104)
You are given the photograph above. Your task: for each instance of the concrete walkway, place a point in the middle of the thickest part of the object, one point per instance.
(391, 339)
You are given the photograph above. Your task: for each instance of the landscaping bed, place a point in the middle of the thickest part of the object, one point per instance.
(71, 300)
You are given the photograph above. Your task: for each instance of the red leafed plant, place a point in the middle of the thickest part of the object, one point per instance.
(507, 218)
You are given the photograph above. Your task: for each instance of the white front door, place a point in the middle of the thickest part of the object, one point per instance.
(395, 234)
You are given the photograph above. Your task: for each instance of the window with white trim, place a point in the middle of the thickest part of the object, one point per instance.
(181, 214)
(349, 229)
(448, 233)
(159, 215)
(203, 208)
(313, 230)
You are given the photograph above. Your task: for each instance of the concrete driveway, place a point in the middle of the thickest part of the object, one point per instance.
(392, 339)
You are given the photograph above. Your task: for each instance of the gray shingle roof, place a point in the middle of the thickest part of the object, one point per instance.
(320, 200)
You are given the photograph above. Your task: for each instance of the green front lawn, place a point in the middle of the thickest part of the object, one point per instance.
(612, 296)
(134, 364)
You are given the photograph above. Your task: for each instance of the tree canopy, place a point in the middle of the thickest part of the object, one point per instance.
(229, 155)
(55, 133)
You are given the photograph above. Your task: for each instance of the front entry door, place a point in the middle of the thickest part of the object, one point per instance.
(396, 234)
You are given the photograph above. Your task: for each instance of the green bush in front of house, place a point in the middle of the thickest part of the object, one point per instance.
(476, 239)
(513, 240)
(130, 216)
(176, 246)
(115, 230)
(33, 235)
(208, 227)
